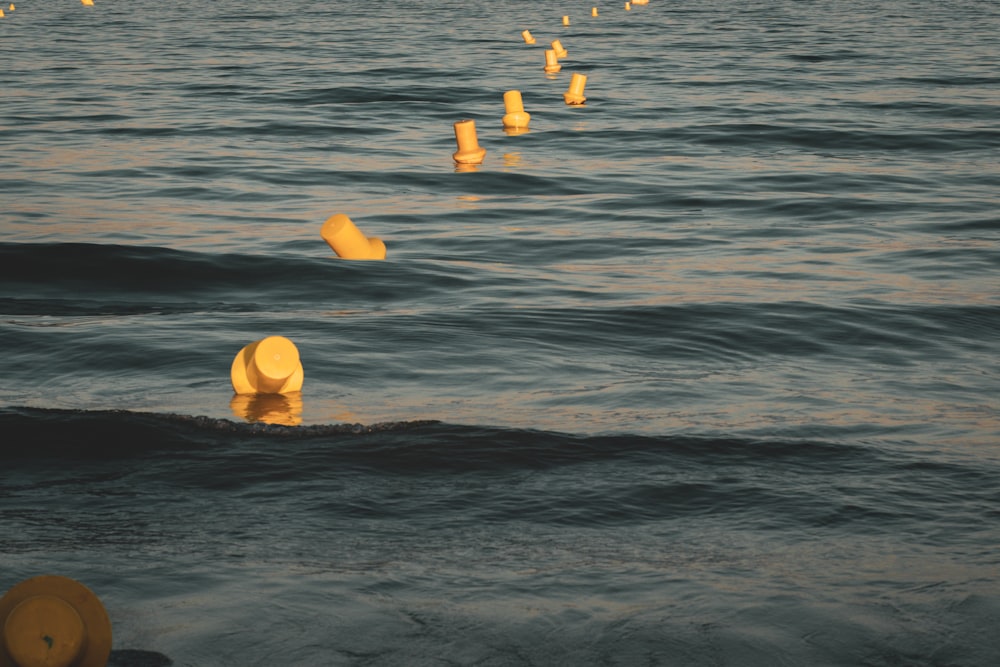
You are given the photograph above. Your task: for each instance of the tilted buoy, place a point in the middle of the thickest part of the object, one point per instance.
(516, 116)
(558, 48)
(53, 621)
(566, 20)
(469, 151)
(268, 366)
(575, 93)
(551, 61)
(528, 39)
(341, 234)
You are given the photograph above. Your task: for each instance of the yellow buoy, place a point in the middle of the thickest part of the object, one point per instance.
(53, 621)
(575, 93)
(469, 151)
(348, 242)
(268, 366)
(558, 48)
(528, 39)
(551, 61)
(88, 3)
(593, 12)
(565, 20)
(516, 116)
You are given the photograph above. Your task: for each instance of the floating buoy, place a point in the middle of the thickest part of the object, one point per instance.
(575, 93)
(341, 234)
(566, 20)
(1, 14)
(53, 621)
(551, 61)
(516, 116)
(558, 48)
(628, 6)
(593, 12)
(88, 3)
(528, 39)
(268, 366)
(469, 151)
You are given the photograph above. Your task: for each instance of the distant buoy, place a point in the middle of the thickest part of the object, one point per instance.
(1, 14)
(53, 621)
(469, 151)
(565, 20)
(558, 48)
(88, 3)
(516, 116)
(628, 6)
(593, 12)
(551, 61)
(528, 39)
(343, 236)
(268, 366)
(574, 95)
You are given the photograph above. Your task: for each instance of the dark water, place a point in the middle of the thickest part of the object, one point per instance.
(704, 372)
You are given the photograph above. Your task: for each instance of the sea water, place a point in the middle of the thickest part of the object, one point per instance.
(702, 372)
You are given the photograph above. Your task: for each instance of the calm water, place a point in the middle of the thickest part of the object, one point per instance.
(703, 372)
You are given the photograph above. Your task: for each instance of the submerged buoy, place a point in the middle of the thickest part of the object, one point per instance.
(469, 151)
(268, 366)
(53, 621)
(515, 115)
(341, 234)
(575, 93)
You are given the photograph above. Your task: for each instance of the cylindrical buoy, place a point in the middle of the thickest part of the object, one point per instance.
(628, 6)
(593, 12)
(558, 48)
(565, 20)
(88, 3)
(53, 621)
(268, 366)
(575, 93)
(551, 61)
(348, 242)
(516, 116)
(469, 151)
(1, 14)
(528, 39)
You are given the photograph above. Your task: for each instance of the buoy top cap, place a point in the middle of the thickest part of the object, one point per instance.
(276, 357)
(53, 621)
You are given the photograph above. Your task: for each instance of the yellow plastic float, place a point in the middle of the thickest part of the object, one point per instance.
(469, 151)
(528, 39)
(53, 621)
(515, 116)
(341, 234)
(268, 366)
(551, 61)
(574, 95)
(558, 48)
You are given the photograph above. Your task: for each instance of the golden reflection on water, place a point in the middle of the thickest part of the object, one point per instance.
(280, 409)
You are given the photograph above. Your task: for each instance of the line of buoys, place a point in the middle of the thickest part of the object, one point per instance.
(53, 621)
